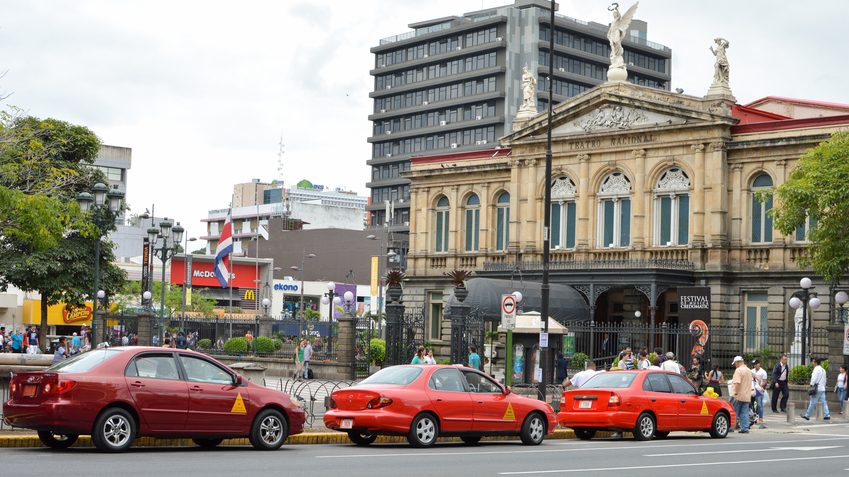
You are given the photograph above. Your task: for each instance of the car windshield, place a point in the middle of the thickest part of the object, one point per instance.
(401, 375)
(615, 379)
(85, 361)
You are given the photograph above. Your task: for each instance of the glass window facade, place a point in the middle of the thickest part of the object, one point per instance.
(472, 223)
(761, 205)
(441, 230)
(432, 142)
(502, 222)
(436, 94)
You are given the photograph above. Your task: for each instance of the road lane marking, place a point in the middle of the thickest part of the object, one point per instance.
(652, 445)
(739, 451)
(668, 466)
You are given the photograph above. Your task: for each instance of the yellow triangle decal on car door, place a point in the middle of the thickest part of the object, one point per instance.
(704, 409)
(509, 415)
(239, 405)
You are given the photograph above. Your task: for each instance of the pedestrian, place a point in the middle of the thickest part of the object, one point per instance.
(605, 344)
(696, 374)
(627, 360)
(660, 356)
(33, 341)
(125, 340)
(419, 357)
(429, 357)
(2, 339)
(840, 387)
(644, 362)
(780, 374)
(759, 376)
(818, 381)
(669, 364)
(181, 341)
(155, 340)
(474, 358)
(307, 356)
(25, 341)
(741, 393)
(166, 342)
(61, 351)
(579, 379)
(655, 363)
(299, 359)
(560, 369)
(714, 378)
(249, 338)
(75, 343)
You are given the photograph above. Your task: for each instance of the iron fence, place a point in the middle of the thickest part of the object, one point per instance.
(365, 330)
(313, 394)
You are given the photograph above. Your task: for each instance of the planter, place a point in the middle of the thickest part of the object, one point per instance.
(461, 293)
(394, 294)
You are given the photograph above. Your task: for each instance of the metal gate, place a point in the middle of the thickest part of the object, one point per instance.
(412, 334)
(473, 333)
(365, 329)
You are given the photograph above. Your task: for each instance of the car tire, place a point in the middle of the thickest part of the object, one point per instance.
(645, 428)
(533, 429)
(584, 434)
(269, 430)
(57, 441)
(471, 440)
(720, 425)
(661, 434)
(362, 438)
(208, 443)
(423, 431)
(114, 430)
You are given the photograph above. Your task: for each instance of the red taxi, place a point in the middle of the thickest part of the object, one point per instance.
(648, 403)
(118, 394)
(424, 402)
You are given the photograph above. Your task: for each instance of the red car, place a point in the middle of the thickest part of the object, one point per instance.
(423, 402)
(118, 394)
(648, 403)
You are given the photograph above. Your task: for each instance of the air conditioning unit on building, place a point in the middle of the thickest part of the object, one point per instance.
(483, 141)
(388, 154)
(561, 70)
(478, 117)
(382, 110)
(425, 55)
(442, 123)
(389, 86)
(388, 132)
(498, 38)
(453, 145)
(459, 48)
(382, 65)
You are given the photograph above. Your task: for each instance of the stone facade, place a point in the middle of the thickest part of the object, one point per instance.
(657, 188)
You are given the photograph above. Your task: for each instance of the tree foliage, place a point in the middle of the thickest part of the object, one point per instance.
(818, 188)
(130, 296)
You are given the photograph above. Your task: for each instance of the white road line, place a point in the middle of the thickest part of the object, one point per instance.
(741, 451)
(652, 445)
(668, 466)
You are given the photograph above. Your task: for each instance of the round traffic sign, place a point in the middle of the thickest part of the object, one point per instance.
(508, 304)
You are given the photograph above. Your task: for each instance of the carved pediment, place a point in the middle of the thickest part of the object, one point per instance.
(615, 117)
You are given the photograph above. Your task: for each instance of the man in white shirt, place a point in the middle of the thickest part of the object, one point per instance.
(759, 375)
(670, 364)
(579, 379)
(818, 379)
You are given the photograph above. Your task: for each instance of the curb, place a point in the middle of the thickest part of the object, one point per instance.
(298, 439)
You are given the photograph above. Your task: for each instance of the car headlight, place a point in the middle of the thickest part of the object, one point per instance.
(297, 403)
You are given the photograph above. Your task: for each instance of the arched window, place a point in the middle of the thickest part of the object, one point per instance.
(502, 221)
(761, 205)
(614, 211)
(442, 224)
(672, 208)
(563, 213)
(473, 222)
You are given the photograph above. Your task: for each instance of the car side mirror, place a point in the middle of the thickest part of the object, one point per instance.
(507, 390)
(238, 380)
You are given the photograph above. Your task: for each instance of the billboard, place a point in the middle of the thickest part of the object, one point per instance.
(694, 312)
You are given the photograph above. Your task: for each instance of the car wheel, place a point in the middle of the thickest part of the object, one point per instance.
(362, 438)
(661, 434)
(720, 426)
(208, 443)
(57, 441)
(269, 430)
(114, 430)
(533, 430)
(584, 434)
(645, 428)
(471, 440)
(424, 431)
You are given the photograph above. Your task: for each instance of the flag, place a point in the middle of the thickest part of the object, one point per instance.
(222, 253)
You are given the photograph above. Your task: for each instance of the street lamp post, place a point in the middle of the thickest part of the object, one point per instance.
(103, 204)
(330, 299)
(171, 236)
(187, 262)
(841, 298)
(381, 270)
(804, 299)
(350, 301)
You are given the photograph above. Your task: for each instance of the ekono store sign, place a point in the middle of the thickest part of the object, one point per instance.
(242, 275)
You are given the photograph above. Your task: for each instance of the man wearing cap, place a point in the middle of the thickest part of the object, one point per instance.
(741, 393)
(669, 364)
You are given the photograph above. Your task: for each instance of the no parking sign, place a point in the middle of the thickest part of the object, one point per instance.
(508, 312)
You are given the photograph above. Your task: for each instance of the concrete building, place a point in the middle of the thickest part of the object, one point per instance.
(453, 84)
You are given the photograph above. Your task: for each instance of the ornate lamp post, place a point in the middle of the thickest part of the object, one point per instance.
(349, 302)
(804, 299)
(330, 299)
(841, 298)
(168, 236)
(187, 263)
(103, 205)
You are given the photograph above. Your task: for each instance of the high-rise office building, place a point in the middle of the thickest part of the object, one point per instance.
(454, 83)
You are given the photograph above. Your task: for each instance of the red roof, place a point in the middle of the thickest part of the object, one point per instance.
(748, 115)
(460, 156)
(790, 124)
(810, 102)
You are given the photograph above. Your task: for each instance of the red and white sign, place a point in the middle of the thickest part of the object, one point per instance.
(508, 312)
(243, 274)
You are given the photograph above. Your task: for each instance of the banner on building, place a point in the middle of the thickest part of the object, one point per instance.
(375, 264)
(694, 313)
(145, 281)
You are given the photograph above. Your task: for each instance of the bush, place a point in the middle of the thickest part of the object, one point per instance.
(278, 344)
(579, 360)
(824, 365)
(651, 357)
(236, 345)
(801, 374)
(205, 343)
(377, 351)
(264, 344)
(443, 361)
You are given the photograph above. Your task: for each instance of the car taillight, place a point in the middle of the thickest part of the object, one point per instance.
(14, 387)
(614, 400)
(379, 402)
(65, 386)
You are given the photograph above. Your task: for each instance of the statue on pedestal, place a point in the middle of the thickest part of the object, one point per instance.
(720, 67)
(616, 34)
(528, 109)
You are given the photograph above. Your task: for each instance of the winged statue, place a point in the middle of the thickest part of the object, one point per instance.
(616, 33)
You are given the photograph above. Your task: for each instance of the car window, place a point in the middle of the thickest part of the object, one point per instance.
(401, 375)
(657, 382)
(85, 361)
(447, 379)
(479, 383)
(161, 366)
(202, 371)
(616, 379)
(680, 385)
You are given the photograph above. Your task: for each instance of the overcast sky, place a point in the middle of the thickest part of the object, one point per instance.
(202, 91)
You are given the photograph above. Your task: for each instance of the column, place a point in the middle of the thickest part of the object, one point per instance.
(415, 200)
(736, 198)
(515, 226)
(638, 230)
(345, 341)
(145, 328)
(583, 226)
(459, 312)
(698, 194)
(485, 236)
(780, 172)
(395, 353)
(455, 209)
(425, 210)
(531, 219)
(718, 196)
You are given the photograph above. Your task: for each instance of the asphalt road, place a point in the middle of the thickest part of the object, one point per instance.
(821, 450)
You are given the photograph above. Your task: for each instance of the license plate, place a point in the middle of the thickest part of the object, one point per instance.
(29, 390)
(347, 424)
(585, 405)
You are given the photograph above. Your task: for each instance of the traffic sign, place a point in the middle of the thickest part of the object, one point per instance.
(508, 312)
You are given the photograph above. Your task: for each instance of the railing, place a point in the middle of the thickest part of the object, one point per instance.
(602, 28)
(492, 266)
(313, 394)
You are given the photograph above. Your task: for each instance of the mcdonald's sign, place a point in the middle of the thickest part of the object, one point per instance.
(249, 295)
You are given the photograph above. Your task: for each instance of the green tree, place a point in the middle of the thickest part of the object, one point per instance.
(817, 189)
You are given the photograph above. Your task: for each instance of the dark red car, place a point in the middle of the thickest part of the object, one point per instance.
(118, 394)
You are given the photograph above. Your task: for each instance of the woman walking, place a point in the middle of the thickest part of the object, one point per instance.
(840, 389)
(714, 378)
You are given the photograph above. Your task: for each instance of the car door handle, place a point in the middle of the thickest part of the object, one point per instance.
(683, 401)
(137, 384)
(196, 388)
(654, 400)
(438, 399)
